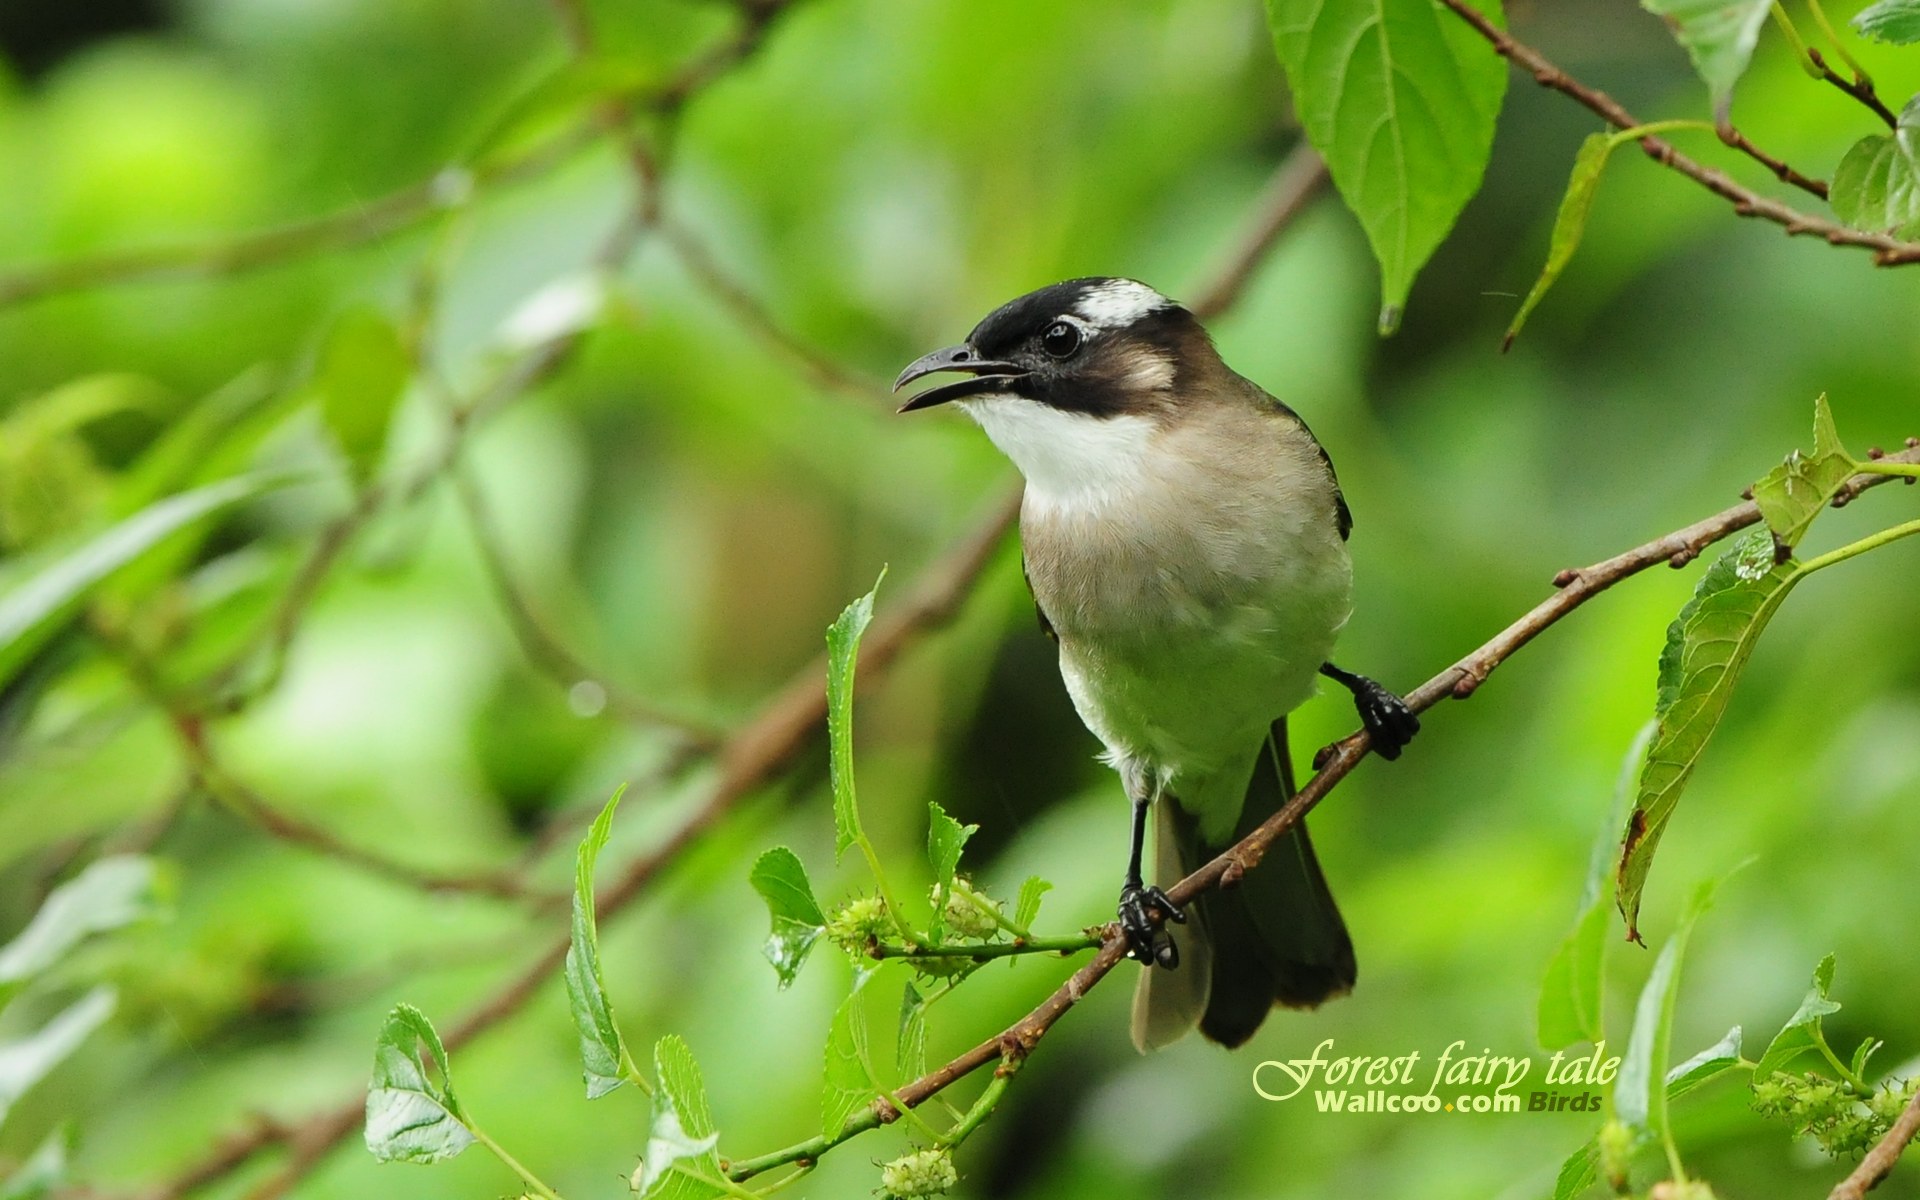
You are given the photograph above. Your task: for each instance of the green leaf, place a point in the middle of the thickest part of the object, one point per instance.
(1569, 226)
(1876, 187)
(1400, 98)
(1802, 1031)
(1579, 1172)
(1570, 1008)
(410, 1118)
(43, 1171)
(1896, 21)
(1707, 645)
(1792, 494)
(945, 839)
(1862, 1055)
(1723, 1055)
(1639, 1092)
(798, 922)
(361, 374)
(846, 1085)
(30, 611)
(110, 893)
(26, 1061)
(1719, 36)
(911, 1053)
(680, 1162)
(843, 648)
(602, 1051)
(1027, 906)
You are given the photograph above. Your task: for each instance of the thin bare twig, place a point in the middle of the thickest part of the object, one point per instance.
(1879, 1161)
(1296, 181)
(1732, 136)
(1888, 251)
(1859, 87)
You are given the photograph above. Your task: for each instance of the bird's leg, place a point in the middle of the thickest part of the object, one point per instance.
(1388, 720)
(1138, 899)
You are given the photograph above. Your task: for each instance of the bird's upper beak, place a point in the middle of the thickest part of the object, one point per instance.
(989, 376)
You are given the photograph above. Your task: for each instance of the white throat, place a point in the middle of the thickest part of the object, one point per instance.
(1071, 460)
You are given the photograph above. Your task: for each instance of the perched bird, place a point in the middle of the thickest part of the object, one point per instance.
(1185, 540)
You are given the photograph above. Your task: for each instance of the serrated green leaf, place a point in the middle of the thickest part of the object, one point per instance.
(911, 1053)
(43, 1171)
(1876, 187)
(1640, 1092)
(26, 1061)
(1792, 494)
(1719, 36)
(1798, 1035)
(602, 1051)
(361, 374)
(846, 1085)
(1569, 224)
(1400, 98)
(1723, 1055)
(33, 608)
(1580, 1171)
(1027, 906)
(110, 893)
(411, 1118)
(946, 837)
(781, 880)
(1895, 21)
(843, 650)
(680, 1162)
(1707, 645)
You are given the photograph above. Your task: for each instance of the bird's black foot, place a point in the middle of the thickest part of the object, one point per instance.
(1148, 943)
(1390, 724)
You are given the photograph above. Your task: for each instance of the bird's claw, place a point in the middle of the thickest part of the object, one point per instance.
(1147, 942)
(1388, 721)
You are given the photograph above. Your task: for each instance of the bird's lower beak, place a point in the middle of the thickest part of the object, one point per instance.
(990, 376)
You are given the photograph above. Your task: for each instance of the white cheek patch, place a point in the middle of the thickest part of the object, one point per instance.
(1071, 460)
(1148, 371)
(1119, 303)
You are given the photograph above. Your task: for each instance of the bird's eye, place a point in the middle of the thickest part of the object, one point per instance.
(1060, 339)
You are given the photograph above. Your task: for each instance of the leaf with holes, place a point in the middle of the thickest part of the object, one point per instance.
(1400, 98)
(843, 650)
(798, 922)
(603, 1052)
(1707, 646)
(1876, 187)
(1896, 21)
(410, 1118)
(1569, 225)
(1719, 36)
(1792, 494)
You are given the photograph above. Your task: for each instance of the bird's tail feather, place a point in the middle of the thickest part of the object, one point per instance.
(1276, 938)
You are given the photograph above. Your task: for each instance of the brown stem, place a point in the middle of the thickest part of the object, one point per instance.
(1879, 1160)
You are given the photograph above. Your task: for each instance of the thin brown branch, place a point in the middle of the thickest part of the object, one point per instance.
(1295, 182)
(542, 647)
(1732, 136)
(1458, 681)
(1859, 87)
(1888, 251)
(1879, 1161)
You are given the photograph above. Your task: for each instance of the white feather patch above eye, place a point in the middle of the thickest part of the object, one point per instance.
(1070, 459)
(1119, 302)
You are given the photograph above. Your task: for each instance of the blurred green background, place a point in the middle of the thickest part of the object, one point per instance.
(687, 504)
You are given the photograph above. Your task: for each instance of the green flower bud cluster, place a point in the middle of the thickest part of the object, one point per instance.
(859, 922)
(967, 910)
(1836, 1116)
(922, 1173)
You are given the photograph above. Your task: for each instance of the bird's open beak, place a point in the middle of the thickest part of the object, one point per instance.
(990, 376)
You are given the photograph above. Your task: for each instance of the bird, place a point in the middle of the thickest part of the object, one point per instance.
(1185, 539)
